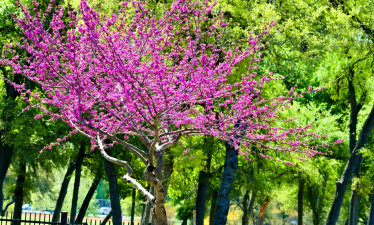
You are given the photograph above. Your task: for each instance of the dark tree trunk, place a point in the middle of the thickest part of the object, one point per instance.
(223, 201)
(245, 206)
(6, 153)
(114, 194)
(261, 217)
(355, 200)
(147, 211)
(250, 206)
(371, 211)
(63, 191)
(202, 191)
(300, 209)
(18, 193)
(168, 170)
(133, 206)
(77, 181)
(87, 199)
(107, 218)
(354, 160)
(213, 206)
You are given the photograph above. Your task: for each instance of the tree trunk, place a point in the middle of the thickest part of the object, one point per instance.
(213, 206)
(77, 181)
(168, 170)
(114, 194)
(223, 201)
(6, 153)
(245, 211)
(371, 211)
(250, 206)
(354, 160)
(300, 204)
(202, 191)
(133, 206)
(355, 200)
(63, 191)
(107, 218)
(88, 198)
(18, 193)
(262, 212)
(147, 211)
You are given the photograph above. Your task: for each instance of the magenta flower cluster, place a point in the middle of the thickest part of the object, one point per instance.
(155, 76)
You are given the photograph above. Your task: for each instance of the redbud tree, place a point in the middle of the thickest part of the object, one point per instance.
(156, 77)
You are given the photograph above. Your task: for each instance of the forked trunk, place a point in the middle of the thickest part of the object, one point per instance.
(87, 199)
(63, 192)
(354, 160)
(261, 217)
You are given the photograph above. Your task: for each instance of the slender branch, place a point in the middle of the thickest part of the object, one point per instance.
(112, 159)
(128, 146)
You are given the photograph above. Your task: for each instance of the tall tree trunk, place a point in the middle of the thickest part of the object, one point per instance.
(354, 160)
(213, 206)
(63, 191)
(133, 206)
(300, 204)
(250, 206)
(223, 201)
(107, 218)
(88, 198)
(371, 211)
(77, 181)
(18, 192)
(355, 199)
(114, 194)
(245, 206)
(6, 153)
(147, 211)
(202, 191)
(168, 170)
(262, 212)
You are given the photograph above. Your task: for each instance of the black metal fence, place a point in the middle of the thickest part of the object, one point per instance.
(40, 218)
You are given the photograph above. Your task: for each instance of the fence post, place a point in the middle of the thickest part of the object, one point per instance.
(64, 217)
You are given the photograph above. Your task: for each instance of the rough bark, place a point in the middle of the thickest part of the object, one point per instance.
(87, 199)
(114, 194)
(6, 153)
(223, 201)
(133, 206)
(354, 160)
(107, 218)
(213, 206)
(18, 193)
(262, 212)
(63, 192)
(202, 191)
(300, 204)
(77, 181)
(371, 211)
